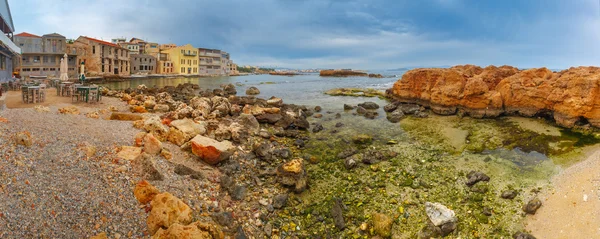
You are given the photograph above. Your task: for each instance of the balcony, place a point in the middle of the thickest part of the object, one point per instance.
(190, 54)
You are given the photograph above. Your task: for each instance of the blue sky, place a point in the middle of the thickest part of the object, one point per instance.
(361, 34)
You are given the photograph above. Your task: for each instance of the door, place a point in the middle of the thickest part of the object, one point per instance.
(116, 71)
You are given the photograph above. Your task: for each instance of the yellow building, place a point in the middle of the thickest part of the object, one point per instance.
(184, 58)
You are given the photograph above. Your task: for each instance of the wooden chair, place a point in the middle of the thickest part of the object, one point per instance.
(25, 94)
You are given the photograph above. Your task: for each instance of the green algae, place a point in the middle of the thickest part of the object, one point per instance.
(356, 92)
(433, 158)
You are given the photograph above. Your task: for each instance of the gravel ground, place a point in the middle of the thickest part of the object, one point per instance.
(53, 190)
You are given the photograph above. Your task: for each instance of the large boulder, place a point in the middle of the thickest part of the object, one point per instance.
(155, 126)
(144, 192)
(210, 150)
(570, 96)
(152, 145)
(166, 211)
(252, 91)
(125, 116)
(185, 129)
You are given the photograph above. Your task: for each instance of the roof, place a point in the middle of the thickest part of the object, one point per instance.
(102, 42)
(26, 34)
(133, 39)
(53, 35)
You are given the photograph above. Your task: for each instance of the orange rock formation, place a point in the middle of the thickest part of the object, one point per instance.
(570, 96)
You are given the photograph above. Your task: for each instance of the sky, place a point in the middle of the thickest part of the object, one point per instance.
(359, 34)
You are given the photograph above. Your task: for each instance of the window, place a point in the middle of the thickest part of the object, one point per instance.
(45, 59)
(25, 59)
(52, 69)
(2, 62)
(182, 69)
(182, 51)
(134, 68)
(93, 49)
(36, 59)
(53, 59)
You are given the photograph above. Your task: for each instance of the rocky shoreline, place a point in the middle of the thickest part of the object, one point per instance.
(569, 97)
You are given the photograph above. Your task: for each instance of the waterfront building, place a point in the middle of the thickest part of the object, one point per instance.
(184, 59)
(9, 51)
(142, 64)
(209, 61)
(103, 58)
(133, 48)
(153, 49)
(167, 46)
(40, 56)
(141, 44)
(165, 65)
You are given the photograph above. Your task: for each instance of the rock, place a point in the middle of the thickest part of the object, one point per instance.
(126, 97)
(374, 156)
(166, 154)
(338, 115)
(166, 211)
(161, 108)
(224, 218)
(337, 214)
(93, 115)
(509, 194)
(196, 230)
(299, 143)
(439, 214)
(395, 116)
(238, 192)
(183, 170)
(390, 107)
(90, 151)
(149, 104)
(292, 173)
(360, 110)
(317, 128)
(149, 169)
(229, 89)
(362, 139)
(369, 105)
(448, 228)
(371, 114)
(155, 126)
(72, 110)
(280, 201)
(189, 127)
(23, 138)
(339, 124)
(421, 114)
(318, 116)
(129, 153)
(430, 231)
(226, 183)
(532, 206)
(264, 151)
(348, 107)
(347, 153)
(152, 145)
(249, 122)
(144, 192)
(318, 108)
(283, 153)
(101, 235)
(382, 225)
(474, 177)
(125, 116)
(257, 110)
(210, 150)
(138, 109)
(409, 109)
(252, 91)
(350, 162)
(569, 96)
(274, 101)
(522, 235)
(240, 234)
(269, 118)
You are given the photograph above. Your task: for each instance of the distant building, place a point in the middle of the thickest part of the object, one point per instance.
(133, 48)
(141, 43)
(153, 49)
(167, 46)
(233, 68)
(9, 52)
(184, 59)
(118, 40)
(165, 65)
(142, 64)
(41, 55)
(103, 58)
(210, 61)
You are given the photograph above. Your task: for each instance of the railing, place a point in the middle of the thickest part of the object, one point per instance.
(189, 54)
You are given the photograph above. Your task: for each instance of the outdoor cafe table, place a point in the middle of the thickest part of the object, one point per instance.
(61, 88)
(35, 92)
(85, 92)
